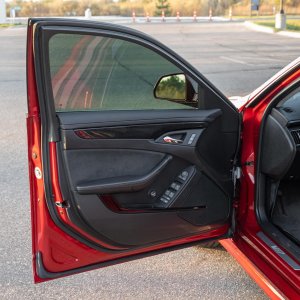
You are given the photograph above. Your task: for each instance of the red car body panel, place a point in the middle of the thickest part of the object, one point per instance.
(62, 252)
(247, 227)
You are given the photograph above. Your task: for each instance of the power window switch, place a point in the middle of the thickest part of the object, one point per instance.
(172, 194)
(167, 192)
(175, 186)
(168, 198)
(164, 200)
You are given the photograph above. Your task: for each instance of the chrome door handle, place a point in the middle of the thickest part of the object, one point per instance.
(170, 140)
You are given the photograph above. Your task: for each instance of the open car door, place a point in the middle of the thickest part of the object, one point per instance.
(131, 151)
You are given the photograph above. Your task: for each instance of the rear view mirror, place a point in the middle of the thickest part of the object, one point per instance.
(171, 87)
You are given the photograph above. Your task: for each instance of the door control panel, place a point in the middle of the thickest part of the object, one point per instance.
(176, 187)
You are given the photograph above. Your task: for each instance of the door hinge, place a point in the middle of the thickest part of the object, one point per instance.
(63, 204)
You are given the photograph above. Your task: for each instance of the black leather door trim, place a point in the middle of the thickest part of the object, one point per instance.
(122, 184)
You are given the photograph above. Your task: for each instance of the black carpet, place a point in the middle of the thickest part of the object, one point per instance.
(286, 213)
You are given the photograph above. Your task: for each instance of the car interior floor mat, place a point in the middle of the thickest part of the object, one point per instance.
(286, 213)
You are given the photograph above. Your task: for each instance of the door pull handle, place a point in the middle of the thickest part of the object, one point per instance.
(170, 140)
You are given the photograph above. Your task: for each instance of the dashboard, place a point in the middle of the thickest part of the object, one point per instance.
(290, 108)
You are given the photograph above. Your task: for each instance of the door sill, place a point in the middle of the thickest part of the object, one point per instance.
(261, 280)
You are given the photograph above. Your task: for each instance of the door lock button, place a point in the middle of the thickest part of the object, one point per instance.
(192, 139)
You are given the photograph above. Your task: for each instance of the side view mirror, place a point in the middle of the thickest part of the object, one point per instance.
(177, 88)
(171, 87)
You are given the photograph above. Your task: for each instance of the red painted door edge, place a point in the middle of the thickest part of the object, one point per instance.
(261, 280)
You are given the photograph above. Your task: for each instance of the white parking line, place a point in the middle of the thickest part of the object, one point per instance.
(235, 60)
(262, 58)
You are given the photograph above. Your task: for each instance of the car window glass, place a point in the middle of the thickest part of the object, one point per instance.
(101, 73)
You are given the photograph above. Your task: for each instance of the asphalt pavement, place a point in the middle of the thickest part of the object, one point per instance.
(236, 60)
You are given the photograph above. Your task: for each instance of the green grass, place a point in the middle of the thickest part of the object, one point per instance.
(5, 25)
(293, 25)
(266, 23)
(264, 17)
(248, 17)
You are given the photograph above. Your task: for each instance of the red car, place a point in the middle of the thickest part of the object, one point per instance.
(132, 152)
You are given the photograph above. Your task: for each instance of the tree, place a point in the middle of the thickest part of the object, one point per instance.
(172, 87)
(162, 5)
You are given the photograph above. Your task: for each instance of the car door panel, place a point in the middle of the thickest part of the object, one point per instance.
(106, 181)
(121, 182)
